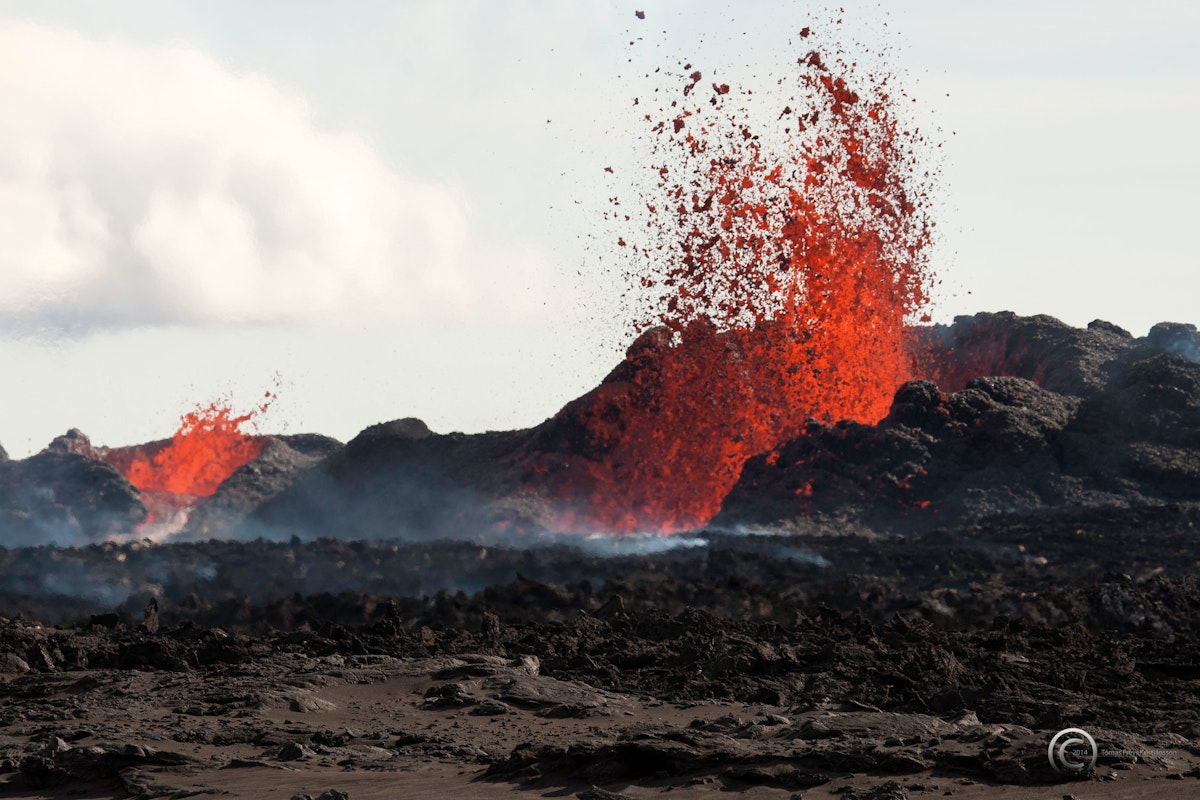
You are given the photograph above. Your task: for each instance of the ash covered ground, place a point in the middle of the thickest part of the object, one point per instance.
(911, 608)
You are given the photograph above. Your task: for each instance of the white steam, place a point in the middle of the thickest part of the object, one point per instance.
(152, 185)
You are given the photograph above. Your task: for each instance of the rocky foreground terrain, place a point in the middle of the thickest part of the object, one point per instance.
(847, 665)
(909, 609)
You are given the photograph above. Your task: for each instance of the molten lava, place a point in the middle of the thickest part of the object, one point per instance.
(206, 449)
(782, 265)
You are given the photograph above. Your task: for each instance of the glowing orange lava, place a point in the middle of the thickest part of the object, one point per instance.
(782, 263)
(206, 449)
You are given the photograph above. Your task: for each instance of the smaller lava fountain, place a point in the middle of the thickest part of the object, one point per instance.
(206, 449)
(175, 475)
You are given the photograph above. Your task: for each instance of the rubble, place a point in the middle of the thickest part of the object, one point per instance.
(60, 496)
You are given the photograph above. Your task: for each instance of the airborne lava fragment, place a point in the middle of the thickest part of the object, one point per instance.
(782, 263)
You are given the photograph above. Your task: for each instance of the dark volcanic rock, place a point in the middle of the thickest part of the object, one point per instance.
(59, 763)
(277, 467)
(310, 444)
(990, 448)
(64, 498)
(398, 479)
(891, 656)
(1087, 418)
(1142, 432)
(1176, 338)
(407, 428)
(1059, 357)
(73, 441)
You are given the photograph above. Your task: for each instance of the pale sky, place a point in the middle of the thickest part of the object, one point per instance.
(389, 209)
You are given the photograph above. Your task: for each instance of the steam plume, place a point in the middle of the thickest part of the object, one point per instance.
(150, 185)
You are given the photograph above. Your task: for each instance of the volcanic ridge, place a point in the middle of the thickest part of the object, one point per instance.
(1036, 417)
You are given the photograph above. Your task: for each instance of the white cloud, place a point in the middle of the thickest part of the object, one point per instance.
(149, 185)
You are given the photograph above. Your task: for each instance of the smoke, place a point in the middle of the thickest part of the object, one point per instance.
(1176, 338)
(152, 185)
(1187, 349)
(776, 544)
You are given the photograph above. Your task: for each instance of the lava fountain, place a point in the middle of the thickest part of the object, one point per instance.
(173, 476)
(782, 263)
(207, 448)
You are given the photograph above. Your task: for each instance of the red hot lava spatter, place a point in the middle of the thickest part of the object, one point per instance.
(783, 263)
(209, 446)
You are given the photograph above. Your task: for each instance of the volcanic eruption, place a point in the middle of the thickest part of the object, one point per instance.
(782, 263)
(779, 257)
(926, 548)
(174, 475)
(779, 254)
